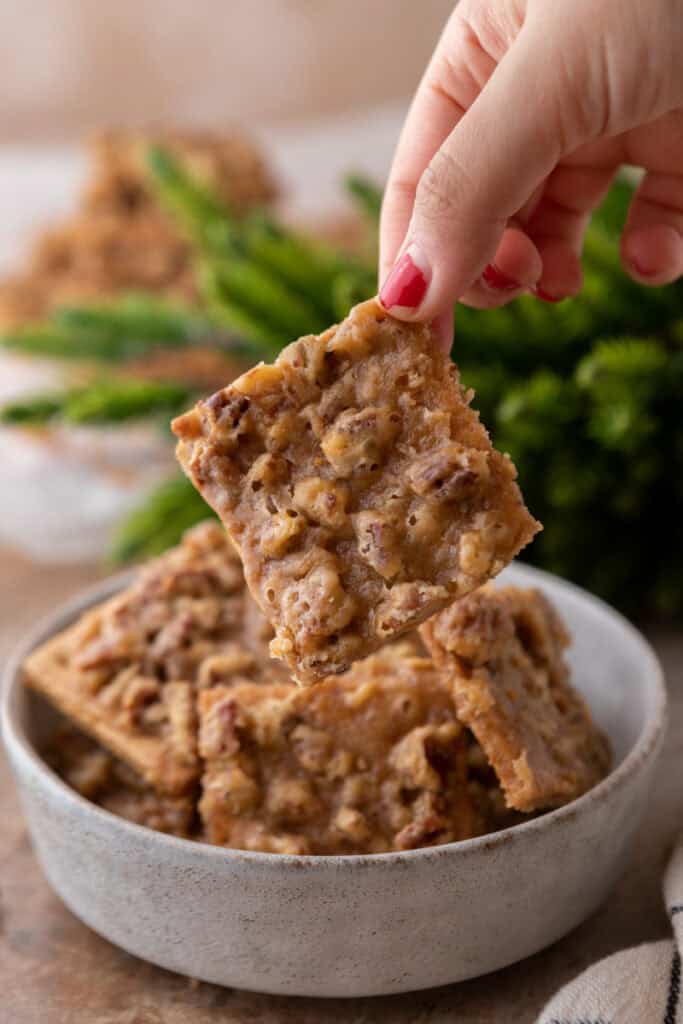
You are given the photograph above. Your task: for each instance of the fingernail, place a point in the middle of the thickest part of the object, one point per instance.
(407, 283)
(641, 270)
(545, 296)
(494, 277)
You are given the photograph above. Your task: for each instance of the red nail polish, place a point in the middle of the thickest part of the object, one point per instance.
(406, 284)
(545, 296)
(496, 279)
(642, 271)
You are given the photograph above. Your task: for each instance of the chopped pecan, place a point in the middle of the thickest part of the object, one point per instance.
(290, 800)
(449, 472)
(219, 734)
(476, 554)
(323, 501)
(352, 823)
(317, 603)
(234, 660)
(281, 530)
(379, 542)
(182, 719)
(344, 774)
(357, 440)
(405, 604)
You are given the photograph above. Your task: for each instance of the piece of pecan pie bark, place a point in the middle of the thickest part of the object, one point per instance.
(361, 490)
(502, 650)
(99, 776)
(371, 761)
(127, 672)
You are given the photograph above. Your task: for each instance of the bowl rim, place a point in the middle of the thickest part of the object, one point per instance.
(21, 749)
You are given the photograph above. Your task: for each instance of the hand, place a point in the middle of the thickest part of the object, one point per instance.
(523, 117)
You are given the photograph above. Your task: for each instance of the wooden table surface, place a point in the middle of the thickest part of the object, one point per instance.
(54, 970)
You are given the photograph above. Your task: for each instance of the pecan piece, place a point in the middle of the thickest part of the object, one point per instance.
(379, 542)
(357, 440)
(449, 472)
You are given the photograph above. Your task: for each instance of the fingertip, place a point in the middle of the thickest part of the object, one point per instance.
(517, 259)
(442, 327)
(562, 276)
(515, 269)
(406, 286)
(404, 290)
(652, 254)
(483, 296)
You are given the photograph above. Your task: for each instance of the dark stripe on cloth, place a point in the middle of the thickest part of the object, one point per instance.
(578, 1020)
(671, 1013)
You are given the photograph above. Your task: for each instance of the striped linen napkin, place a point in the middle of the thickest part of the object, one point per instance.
(635, 986)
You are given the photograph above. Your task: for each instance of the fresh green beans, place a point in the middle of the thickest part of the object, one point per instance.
(104, 401)
(32, 411)
(366, 194)
(170, 509)
(117, 331)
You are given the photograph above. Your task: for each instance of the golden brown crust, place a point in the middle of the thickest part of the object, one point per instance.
(371, 761)
(503, 652)
(362, 491)
(127, 671)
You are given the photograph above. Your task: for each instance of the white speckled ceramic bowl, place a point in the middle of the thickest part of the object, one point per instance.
(361, 925)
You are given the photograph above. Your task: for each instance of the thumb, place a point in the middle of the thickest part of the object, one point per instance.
(500, 151)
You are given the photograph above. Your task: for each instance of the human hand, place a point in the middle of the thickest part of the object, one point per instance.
(523, 117)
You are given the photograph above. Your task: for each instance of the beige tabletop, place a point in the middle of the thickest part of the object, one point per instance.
(54, 970)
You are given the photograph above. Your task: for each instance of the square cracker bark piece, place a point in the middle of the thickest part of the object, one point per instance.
(372, 761)
(502, 650)
(127, 672)
(362, 491)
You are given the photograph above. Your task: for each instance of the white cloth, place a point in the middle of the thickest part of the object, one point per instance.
(635, 986)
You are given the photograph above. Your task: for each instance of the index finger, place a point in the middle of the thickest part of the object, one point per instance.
(458, 70)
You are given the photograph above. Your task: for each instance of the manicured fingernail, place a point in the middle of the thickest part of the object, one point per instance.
(545, 296)
(641, 270)
(494, 277)
(407, 283)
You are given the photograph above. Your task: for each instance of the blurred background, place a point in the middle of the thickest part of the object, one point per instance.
(184, 188)
(319, 86)
(72, 66)
(286, 69)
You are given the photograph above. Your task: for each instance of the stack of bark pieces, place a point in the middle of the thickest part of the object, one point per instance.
(180, 721)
